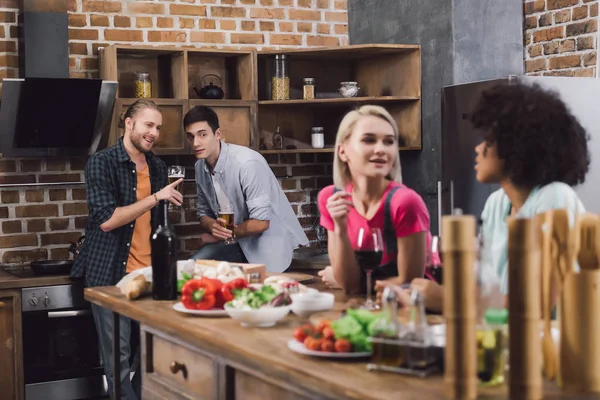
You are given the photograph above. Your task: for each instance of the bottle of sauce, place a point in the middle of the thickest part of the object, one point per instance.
(164, 259)
(386, 350)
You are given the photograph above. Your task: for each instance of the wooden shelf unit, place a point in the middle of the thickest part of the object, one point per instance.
(388, 75)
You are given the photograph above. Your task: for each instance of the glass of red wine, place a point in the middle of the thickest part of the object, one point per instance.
(369, 253)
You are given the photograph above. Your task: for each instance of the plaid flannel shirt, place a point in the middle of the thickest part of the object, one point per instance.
(111, 182)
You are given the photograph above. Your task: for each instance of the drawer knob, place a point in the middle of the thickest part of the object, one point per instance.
(176, 367)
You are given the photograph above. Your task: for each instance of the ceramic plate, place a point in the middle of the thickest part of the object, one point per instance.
(299, 348)
(203, 313)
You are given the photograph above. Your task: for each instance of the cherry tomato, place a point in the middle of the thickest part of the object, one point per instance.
(342, 346)
(328, 333)
(300, 334)
(327, 345)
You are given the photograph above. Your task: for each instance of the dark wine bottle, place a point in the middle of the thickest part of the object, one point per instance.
(164, 258)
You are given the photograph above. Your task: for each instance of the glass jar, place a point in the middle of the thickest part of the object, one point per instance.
(308, 88)
(317, 137)
(280, 82)
(143, 85)
(492, 346)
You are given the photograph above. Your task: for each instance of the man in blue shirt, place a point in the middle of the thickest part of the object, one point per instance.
(229, 176)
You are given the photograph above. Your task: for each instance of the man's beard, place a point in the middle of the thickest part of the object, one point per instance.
(137, 143)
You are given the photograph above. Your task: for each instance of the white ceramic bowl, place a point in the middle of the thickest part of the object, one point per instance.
(307, 303)
(258, 318)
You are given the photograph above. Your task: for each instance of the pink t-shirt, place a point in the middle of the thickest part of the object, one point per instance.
(409, 215)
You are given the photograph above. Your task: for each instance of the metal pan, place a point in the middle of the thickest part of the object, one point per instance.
(51, 267)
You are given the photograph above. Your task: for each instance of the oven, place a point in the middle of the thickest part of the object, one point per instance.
(61, 357)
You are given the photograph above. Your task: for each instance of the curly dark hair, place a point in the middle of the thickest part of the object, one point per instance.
(537, 136)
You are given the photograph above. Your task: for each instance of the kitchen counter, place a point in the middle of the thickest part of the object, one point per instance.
(186, 357)
(305, 259)
(9, 281)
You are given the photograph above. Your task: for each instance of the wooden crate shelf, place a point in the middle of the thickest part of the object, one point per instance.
(388, 75)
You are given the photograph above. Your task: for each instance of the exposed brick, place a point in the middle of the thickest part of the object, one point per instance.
(77, 20)
(123, 35)
(285, 2)
(248, 25)
(267, 3)
(341, 29)
(102, 6)
(57, 194)
(535, 50)
(42, 210)
(30, 165)
(3, 212)
(272, 158)
(143, 22)
(228, 12)
(95, 47)
(187, 23)
(11, 227)
(167, 36)
(286, 27)
(78, 48)
(340, 4)
(323, 181)
(580, 13)
(248, 2)
(306, 158)
(188, 230)
(288, 158)
(14, 179)
(267, 13)
(308, 170)
(594, 10)
(304, 26)
(71, 4)
(60, 254)
(34, 196)
(305, 15)
(324, 158)
(99, 20)
(123, 22)
(7, 242)
(60, 178)
(88, 63)
(580, 28)
(309, 209)
(307, 183)
(230, 2)
(267, 26)
(322, 41)
(56, 164)
(83, 34)
(10, 197)
(78, 194)
(584, 72)
(562, 16)
(564, 62)
(181, 9)
(59, 224)
(336, 17)
(562, 46)
(568, 73)
(534, 6)
(9, 60)
(75, 209)
(145, 8)
(8, 46)
(207, 24)
(81, 222)
(545, 20)
(192, 244)
(24, 256)
(207, 37)
(589, 59)
(279, 172)
(36, 225)
(8, 166)
(228, 25)
(59, 238)
(535, 65)
(585, 42)
(296, 197)
(247, 38)
(556, 4)
(293, 40)
(289, 184)
(304, 3)
(547, 34)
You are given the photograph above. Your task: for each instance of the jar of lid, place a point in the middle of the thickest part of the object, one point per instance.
(308, 88)
(143, 85)
(317, 137)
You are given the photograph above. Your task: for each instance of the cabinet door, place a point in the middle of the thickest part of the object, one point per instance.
(172, 139)
(11, 349)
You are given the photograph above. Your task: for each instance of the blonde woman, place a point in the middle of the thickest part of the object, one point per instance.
(368, 193)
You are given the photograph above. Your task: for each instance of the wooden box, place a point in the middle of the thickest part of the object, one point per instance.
(248, 268)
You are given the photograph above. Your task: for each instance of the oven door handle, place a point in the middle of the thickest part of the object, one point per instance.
(66, 314)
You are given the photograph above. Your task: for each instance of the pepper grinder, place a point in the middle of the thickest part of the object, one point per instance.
(459, 250)
(524, 308)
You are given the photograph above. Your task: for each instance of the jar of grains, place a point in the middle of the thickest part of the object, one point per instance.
(308, 88)
(143, 85)
(280, 82)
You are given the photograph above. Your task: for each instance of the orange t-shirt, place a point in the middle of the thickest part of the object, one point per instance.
(140, 251)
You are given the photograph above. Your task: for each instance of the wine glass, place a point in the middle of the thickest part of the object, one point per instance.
(369, 253)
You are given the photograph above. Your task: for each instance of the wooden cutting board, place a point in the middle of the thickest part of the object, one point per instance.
(300, 277)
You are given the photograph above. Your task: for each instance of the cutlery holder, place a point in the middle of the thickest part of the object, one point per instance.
(579, 348)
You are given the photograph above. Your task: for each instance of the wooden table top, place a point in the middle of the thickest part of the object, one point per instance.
(265, 350)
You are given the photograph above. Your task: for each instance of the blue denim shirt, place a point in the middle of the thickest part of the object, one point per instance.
(254, 193)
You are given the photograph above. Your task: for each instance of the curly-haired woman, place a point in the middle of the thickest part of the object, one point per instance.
(536, 149)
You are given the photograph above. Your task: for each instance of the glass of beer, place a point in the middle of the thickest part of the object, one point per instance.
(176, 172)
(226, 213)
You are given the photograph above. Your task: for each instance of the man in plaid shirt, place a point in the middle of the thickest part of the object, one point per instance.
(124, 184)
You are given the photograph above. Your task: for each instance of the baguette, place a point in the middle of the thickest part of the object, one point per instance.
(137, 287)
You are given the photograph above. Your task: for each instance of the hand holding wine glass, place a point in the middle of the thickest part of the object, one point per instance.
(369, 253)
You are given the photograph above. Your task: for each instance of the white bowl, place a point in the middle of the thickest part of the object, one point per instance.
(307, 303)
(258, 318)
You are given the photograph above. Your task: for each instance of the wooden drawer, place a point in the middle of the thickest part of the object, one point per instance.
(249, 387)
(174, 370)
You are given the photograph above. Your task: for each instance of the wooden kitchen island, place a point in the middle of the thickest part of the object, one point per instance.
(189, 357)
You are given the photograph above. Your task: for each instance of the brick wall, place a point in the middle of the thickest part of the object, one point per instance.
(39, 222)
(561, 37)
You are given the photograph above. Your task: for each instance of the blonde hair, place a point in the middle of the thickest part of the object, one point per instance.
(341, 173)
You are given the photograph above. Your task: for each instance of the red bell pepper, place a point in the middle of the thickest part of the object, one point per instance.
(198, 294)
(219, 300)
(230, 286)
